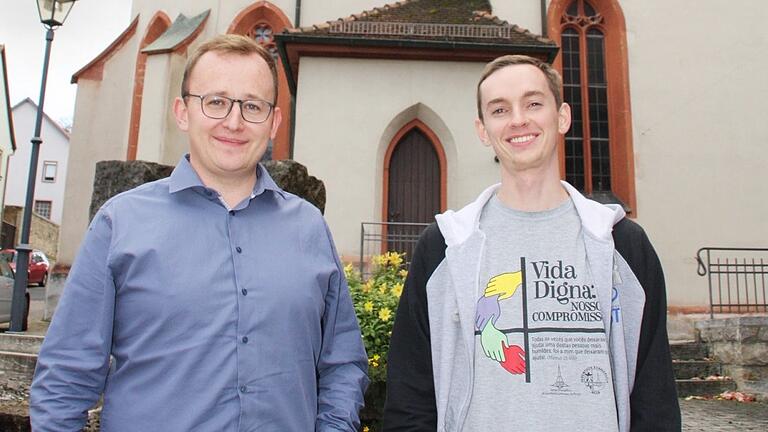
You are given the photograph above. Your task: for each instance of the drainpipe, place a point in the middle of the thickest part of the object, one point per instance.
(544, 18)
(297, 19)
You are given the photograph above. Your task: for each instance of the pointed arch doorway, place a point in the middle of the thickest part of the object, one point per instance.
(414, 185)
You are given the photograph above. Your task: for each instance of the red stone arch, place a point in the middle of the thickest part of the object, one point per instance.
(157, 26)
(265, 15)
(614, 28)
(405, 231)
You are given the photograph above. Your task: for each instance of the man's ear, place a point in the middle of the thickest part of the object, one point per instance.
(277, 118)
(481, 132)
(181, 113)
(564, 118)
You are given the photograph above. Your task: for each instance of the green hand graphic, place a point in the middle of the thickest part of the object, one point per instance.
(503, 285)
(492, 339)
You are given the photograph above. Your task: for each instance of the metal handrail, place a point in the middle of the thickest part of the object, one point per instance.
(723, 273)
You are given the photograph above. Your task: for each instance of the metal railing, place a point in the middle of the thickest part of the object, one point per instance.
(422, 29)
(379, 237)
(737, 278)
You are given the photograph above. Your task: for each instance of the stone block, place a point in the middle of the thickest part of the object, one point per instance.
(293, 177)
(113, 177)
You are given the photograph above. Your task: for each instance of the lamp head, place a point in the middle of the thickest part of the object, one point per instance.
(53, 13)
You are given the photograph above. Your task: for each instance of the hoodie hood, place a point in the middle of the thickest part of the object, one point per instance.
(597, 219)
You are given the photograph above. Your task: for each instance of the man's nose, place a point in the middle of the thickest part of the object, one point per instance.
(234, 120)
(517, 118)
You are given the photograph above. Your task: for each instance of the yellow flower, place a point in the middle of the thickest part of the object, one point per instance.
(374, 361)
(397, 290)
(365, 429)
(383, 288)
(395, 259)
(385, 314)
(380, 260)
(367, 286)
(348, 269)
(402, 273)
(368, 306)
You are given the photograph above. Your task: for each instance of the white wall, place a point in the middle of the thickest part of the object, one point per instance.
(524, 13)
(99, 132)
(700, 134)
(54, 148)
(349, 109)
(5, 132)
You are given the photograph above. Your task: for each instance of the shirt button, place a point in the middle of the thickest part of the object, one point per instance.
(244, 291)
(243, 389)
(245, 339)
(239, 249)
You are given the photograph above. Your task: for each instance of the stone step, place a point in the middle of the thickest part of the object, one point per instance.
(17, 366)
(20, 343)
(699, 387)
(687, 369)
(689, 350)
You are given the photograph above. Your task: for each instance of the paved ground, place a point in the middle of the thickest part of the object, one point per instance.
(703, 415)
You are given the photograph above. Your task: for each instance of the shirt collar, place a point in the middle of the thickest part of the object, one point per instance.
(185, 177)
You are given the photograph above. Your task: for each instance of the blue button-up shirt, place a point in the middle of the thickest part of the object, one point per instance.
(217, 319)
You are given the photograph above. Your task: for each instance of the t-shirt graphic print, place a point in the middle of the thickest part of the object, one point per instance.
(541, 354)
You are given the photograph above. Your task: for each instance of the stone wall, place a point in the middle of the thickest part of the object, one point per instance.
(114, 177)
(741, 344)
(43, 234)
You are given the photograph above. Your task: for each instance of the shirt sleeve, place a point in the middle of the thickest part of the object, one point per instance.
(343, 365)
(74, 359)
(410, 404)
(653, 402)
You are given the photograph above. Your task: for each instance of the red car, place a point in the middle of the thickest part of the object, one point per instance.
(38, 265)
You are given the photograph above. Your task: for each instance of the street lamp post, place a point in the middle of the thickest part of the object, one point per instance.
(53, 13)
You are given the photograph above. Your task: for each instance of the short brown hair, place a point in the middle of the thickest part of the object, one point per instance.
(229, 44)
(554, 80)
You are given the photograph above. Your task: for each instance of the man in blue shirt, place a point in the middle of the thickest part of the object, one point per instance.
(219, 296)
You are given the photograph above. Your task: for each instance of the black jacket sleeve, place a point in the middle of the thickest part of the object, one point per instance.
(653, 402)
(410, 404)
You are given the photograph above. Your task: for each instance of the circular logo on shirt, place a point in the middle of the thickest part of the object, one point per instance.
(595, 379)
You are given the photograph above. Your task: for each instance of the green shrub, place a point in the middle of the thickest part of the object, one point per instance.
(375, 303)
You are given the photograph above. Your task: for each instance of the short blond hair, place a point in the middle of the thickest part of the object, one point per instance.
(229, 44)
(554, 81)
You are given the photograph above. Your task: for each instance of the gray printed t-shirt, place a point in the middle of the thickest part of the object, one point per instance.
(556, 374)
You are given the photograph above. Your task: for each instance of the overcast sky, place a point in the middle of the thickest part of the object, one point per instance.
(91, 26)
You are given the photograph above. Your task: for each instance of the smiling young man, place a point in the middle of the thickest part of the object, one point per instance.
(218, 296)
(532, 308)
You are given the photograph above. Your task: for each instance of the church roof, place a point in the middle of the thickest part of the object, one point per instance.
(452, 30)
(182, 30)
(429, 20)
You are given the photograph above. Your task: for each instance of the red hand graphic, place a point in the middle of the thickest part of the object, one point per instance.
(515, 359)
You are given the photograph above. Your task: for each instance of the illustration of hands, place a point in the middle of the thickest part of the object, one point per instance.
(515, 359)
(488, 310)
(493, 342)
(504, 285)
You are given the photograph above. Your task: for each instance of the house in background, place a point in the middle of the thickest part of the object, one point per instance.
(51, 168)
(7, 147)
(379, 103)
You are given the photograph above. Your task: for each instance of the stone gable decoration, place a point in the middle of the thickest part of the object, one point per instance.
(114, 177)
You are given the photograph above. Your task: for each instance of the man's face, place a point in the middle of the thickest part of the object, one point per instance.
(521, 119)
(228, 148)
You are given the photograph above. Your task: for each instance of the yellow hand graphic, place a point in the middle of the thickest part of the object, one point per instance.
(503, 285)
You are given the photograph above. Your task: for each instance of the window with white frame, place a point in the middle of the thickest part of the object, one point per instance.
(43, 208)
(49, 171)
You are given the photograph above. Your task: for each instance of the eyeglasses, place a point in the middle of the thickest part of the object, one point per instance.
(218, 107)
